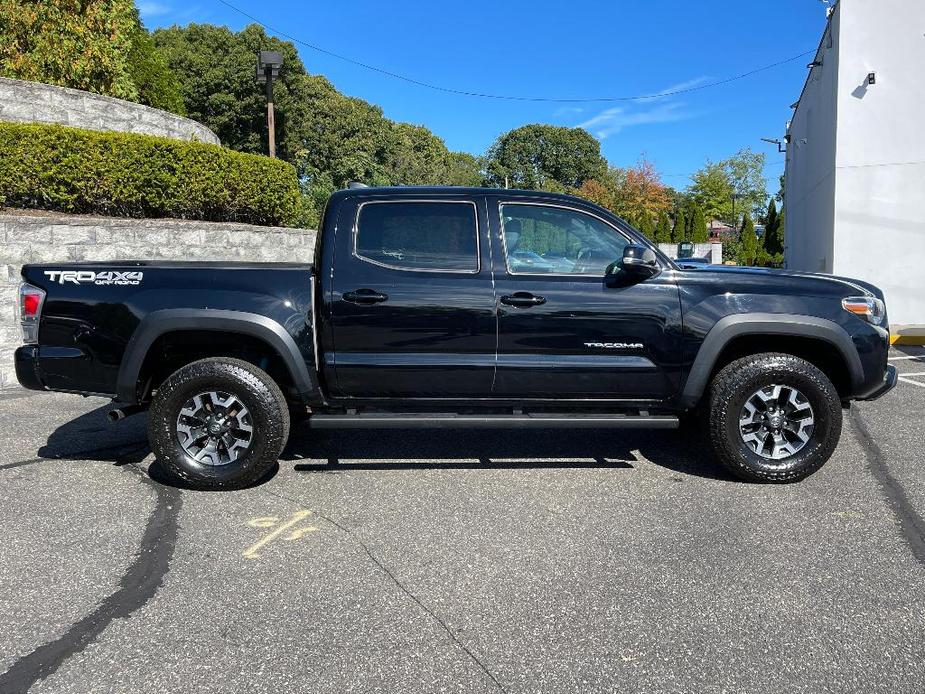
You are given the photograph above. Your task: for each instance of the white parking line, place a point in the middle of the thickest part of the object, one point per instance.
(909, 380)
(909, 357)
(914, 373)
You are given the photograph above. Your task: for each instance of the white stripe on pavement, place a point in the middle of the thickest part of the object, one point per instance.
(914, 373)
(910, 357)
(909, 380)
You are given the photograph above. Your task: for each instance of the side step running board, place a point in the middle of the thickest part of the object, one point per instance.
(500, 421)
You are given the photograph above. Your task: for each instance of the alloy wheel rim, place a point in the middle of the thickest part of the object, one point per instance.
(214, 428)
(776, 421)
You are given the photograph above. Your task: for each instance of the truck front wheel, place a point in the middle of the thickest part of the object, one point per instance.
(773, 418)
(218, 423)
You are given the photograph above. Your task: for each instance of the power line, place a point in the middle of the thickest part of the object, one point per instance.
(505, 97)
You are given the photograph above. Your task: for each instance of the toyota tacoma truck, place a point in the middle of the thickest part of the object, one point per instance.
(458, 307)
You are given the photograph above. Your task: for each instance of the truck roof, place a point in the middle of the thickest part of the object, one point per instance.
(411, 191)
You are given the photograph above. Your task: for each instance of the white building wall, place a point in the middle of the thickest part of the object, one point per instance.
(855, 187)
(809, 196)
(880, 153)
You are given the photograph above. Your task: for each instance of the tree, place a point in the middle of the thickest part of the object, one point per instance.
(745, 171)
(544, 157)
(464, 169)
(83, 44)
(712, 191)
(698, 232)
(773, 241)
(156, 83)
(639, 194)
(748, 240)
(647, 227)
(330, 138)
(679, 231)
(596, 192)
(663, 230)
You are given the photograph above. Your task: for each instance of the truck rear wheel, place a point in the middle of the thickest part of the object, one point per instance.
(218, 423)
(773, 418)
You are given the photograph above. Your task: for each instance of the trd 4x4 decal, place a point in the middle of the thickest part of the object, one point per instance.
(108, 277)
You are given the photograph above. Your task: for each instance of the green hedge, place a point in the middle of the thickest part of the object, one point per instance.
(83, 171)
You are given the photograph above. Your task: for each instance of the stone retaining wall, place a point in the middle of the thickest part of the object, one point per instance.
(62, 238)
(33, 102)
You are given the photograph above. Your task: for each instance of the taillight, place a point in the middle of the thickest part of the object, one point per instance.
(30, 310)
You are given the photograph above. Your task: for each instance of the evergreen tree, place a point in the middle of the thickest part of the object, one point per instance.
(679, 231)
(773, 241)
(663, 230)
(748, 242)
(647, 228)
(699, 233)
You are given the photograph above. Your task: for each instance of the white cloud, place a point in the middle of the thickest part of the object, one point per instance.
(662, 107)
(680, 87)
(150, 8)
(613, 120)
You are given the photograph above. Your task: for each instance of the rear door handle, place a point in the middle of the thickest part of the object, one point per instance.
(523, 299)
(365, 297)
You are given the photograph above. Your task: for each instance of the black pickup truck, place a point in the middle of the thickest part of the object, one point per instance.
(455, 307)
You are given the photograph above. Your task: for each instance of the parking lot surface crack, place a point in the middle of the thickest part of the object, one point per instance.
(394, 579)
(139, 583)
(911, 524)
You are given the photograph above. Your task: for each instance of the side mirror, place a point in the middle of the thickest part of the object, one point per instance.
(639, 262)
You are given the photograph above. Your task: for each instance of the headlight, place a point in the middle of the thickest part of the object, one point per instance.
(867, 307)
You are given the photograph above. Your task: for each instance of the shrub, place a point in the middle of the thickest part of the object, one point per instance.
(73, 170)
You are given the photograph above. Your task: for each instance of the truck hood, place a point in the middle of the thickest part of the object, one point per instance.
(810, 282)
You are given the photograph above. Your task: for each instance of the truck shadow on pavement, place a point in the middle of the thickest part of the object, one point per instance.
(370, 449)
(90, 437)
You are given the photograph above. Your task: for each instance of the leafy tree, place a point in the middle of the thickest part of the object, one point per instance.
(596, 192)
(698, 232)
(679, 231)
(773, 241)
(748, 240)
(712, 191)
(216, 66)
(415, 156)
(464, 169)
(544, 157)
(83, 44)
(156, 83)
(639, 194)
(745, 170)
(663, 229)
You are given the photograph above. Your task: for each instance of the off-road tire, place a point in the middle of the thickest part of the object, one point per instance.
(737, 381)
(254, 388)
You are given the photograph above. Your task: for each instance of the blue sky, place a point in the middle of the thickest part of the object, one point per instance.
(539, 48)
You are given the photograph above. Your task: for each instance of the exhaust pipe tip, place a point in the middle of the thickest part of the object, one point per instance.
(117, 413)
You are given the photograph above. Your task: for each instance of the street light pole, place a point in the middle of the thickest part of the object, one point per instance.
(271, 116)
(268, 65)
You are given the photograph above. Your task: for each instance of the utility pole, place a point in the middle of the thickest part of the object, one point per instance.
(268, 66)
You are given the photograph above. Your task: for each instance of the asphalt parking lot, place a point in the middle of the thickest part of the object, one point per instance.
(461, 562)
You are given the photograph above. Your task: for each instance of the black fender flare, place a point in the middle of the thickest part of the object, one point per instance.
(164, 321)
(730, 327)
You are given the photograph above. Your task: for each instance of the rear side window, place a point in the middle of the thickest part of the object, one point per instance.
(429, 236)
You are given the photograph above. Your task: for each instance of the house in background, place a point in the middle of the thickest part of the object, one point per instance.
(855, 178)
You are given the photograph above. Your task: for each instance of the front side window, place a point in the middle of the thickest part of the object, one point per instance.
(434, 236)
(554, 240)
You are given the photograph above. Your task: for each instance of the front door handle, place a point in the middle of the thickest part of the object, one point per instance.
(365, 297)
(523, 299)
